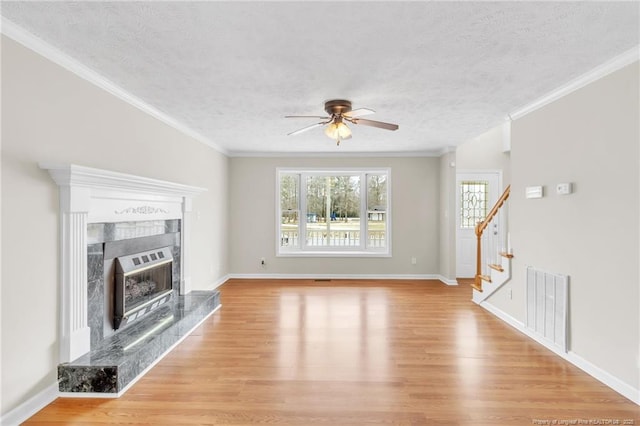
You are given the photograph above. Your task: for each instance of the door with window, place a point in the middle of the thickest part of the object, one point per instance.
(476, 194)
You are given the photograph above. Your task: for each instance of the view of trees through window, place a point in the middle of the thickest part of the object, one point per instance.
(335, 196)
(340, 210)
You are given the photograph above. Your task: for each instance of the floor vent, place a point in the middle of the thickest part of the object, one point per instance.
(547, 306)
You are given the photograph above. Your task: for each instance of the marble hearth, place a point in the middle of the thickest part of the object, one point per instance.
(111, 366)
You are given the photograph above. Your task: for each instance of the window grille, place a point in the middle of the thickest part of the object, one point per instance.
(473, 205)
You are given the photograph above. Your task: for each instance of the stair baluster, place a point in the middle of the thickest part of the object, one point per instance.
(480, 227)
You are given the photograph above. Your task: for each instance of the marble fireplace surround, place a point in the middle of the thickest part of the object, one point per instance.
(89, 195)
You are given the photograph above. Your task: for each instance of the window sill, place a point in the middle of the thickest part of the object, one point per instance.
(333, 253)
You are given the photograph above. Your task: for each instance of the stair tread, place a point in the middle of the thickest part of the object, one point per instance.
(486, 278)
(477, 287)
(496, 267)
(507, 255)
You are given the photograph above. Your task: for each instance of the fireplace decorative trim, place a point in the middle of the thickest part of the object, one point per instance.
(142, 210)
(89, 195)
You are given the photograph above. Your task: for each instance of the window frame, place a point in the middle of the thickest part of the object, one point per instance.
(303, 250)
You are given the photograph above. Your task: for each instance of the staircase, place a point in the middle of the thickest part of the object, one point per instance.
(499, 273)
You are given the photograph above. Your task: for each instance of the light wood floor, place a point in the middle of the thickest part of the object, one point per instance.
(352, 353)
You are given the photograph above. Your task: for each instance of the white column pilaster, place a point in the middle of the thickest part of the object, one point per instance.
(185, 267)
(75, 332)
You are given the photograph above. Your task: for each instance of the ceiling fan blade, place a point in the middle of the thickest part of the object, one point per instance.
(373, 123)
(306, 116)
(359, 112)
(304, 129)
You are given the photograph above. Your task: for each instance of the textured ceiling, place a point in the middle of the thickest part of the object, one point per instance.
(230, 71)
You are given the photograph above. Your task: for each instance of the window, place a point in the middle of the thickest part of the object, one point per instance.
(473, 203)
(333, 212)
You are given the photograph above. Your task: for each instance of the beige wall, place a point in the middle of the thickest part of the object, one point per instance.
(51, 115)
(590, 138)
(415, 204)
(485, 152)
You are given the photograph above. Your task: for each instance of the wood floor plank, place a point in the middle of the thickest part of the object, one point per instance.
(352, 352)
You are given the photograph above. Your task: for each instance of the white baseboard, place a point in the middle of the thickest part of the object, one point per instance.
(447, 281)
(594, 371)
(31, 406)
(217, 283)
(343, 277)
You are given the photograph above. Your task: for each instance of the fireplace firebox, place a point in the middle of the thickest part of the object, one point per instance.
(143, 281)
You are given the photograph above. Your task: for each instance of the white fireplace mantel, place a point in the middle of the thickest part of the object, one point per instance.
(89, 195)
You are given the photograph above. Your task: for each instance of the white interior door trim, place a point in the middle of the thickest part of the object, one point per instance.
(465, 239)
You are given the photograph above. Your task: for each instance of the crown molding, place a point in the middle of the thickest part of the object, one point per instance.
(32, 42)
(618, 62)
(446, 150)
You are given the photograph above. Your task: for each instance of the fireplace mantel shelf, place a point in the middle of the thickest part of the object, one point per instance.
(82, 176)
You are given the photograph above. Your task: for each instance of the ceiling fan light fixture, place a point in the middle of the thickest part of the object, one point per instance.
(337, 130)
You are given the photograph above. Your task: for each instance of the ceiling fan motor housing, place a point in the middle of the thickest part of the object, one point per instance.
(337, 106)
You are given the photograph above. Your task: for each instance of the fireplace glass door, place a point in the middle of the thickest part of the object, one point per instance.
(143, 286)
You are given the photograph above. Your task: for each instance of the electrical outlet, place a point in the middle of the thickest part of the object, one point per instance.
(263, 263)
(510, 294)
(414, 260)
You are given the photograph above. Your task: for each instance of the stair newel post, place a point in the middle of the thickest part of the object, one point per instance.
(478, 281)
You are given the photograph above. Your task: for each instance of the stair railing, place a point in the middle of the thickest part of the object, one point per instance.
(480, 227)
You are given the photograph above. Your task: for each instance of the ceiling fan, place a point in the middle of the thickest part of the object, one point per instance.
(339, 111)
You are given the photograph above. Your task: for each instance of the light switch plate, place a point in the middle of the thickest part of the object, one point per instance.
(534, 192)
